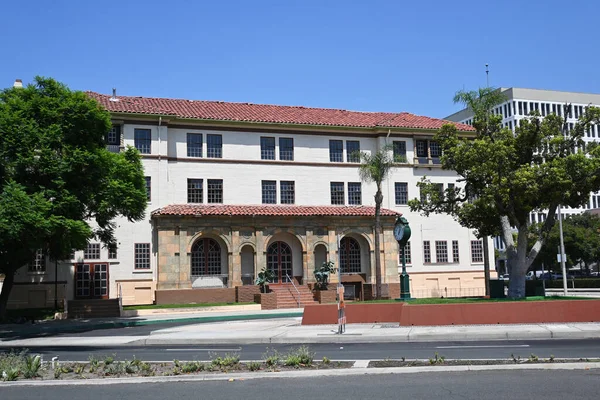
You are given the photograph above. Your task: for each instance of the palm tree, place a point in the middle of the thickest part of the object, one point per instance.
(375, 167)
(481, 103)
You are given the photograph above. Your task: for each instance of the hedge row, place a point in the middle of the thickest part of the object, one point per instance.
(579, 283)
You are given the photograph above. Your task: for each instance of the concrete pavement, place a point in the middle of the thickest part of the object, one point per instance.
(289, 330)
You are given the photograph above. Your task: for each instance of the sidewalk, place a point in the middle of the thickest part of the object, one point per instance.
(53, 327)
(289, 330)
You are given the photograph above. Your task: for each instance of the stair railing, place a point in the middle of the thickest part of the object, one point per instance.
(297, 291)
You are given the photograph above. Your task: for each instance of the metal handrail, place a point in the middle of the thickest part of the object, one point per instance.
(297, 291)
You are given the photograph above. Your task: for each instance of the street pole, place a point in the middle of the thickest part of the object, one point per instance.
(562, 251)
(55, 286)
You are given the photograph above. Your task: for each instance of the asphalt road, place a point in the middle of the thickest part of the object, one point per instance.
(354, 351)
(497, 385)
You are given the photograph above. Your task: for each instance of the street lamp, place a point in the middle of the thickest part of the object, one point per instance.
(402, 235)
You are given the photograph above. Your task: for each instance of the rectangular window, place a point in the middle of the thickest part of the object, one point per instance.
(455, 253)
(426, 252)
(559, 109)
(142, 140)
(113, 137)
(214, 146)
(399, 148)
(214, 190)
(476, 251)
(401, 191)
(543, 110)
(38, 264)
(520, 108)
(576, 111)
(148, 181)
(336, 151)
(407, 255)
(547, 108)
(267, 148)
(92, 251)
(112, 253)
(194, 191)
(269, 192)
(286, 149)
(194, 145)
(337, 193)
(353, 151)
(354, 193)
(525, 112)
(554, 108)
(441, 251)
(435, 149)
(142, 255)
(287, 192)
(505, 111)
(422, 148)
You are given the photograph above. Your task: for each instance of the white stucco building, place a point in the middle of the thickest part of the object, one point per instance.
(235, 187)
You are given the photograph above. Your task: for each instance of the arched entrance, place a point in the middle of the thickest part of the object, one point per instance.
(279, 261)
(247, 259)
(350, 256)
(206, 264)
(320, 255)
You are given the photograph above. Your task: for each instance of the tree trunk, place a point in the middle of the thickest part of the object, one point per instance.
(518, 272)
(378, 201)
(486, 266)
(9, 278)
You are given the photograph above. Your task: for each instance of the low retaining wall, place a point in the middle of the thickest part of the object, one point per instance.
(406, 314)
(195, 296)
(245, 294)
(268, 301)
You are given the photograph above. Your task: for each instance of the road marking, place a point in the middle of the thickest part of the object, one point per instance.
(483, 347)
(238, 349)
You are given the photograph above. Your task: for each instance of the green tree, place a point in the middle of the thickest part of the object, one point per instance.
(504, 176)
(376, 167)
(57, 178)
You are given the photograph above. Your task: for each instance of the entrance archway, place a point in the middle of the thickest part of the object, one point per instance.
(320, 255)
(350, 258)
(247, 259)
(279, 261)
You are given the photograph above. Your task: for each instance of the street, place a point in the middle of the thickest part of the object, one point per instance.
(497, 385)
(348, 351)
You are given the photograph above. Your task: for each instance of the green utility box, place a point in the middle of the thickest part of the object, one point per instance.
(497, 289)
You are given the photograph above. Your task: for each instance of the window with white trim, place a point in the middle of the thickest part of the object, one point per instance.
(455, 252)
(336, 151)
(354, 193)
(214, 146)
(441, 251)
(401, 192)
(353, 151)
(337, 193)
(194, 145)
(194, 190)
(38, 264)
(267, 148)
(476, 251)
(426, 252)
(142, 256)
(269, 192)
(287, 189)
(92, 251)
(286, 149)
(142, 140)
(214, 190)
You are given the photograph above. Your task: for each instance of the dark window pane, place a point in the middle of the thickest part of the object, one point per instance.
(354, 193)
(336, 151)
(337, 193)
(399, 151)
(194, 190)
(194, 145)
(214, 146)
(401, 191)
(113, 137)
(92, 251)
(142, 256)
(286, 149)
(142, 140)
(287, 192)
(353, 151)
(426, 252)
(267, 148)
(148, 188)
(215, 190)
(269, 192)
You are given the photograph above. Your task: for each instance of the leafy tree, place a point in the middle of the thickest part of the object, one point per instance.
(581, 234)
(375, 167)
(57, 178)
(505, 176)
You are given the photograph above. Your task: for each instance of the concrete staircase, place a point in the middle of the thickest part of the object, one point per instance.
(287, 296)
(93, 308)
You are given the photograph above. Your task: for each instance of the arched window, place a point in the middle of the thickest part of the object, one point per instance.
(349, 256)
(206, 257)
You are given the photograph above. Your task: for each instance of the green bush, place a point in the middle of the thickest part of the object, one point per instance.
(254, 366)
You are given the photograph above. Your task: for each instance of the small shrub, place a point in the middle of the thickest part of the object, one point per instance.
(254, 366)
(66, 368)
(190, 367)
(326, 360)
(146, 369)
(32, 366)
(551, 359)
(228, 361)
(533, 358)
(302, 355)
(437, 359)
(515, 359)
(57, 373)
(79, 369)
(108, 360)
(11, 374)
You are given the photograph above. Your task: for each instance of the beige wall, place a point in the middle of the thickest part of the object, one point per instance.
(451, 284)
(137, 291)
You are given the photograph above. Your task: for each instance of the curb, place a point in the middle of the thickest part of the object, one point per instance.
(124, 324)
(305, 374)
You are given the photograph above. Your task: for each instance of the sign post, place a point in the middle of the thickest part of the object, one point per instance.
(402, 234)
(340, 294)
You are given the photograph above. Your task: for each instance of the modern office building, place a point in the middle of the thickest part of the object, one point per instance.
(237, 187)
(519, 104)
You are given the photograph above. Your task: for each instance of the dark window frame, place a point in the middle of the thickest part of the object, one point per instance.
(267, 148)
(142, 140)
(353, 151)
(354, 195)
(269, 192)
(194, 144)
(141, 256)
(287, 192)
(214, 146)
(337, 193)
(195, 191)
(286, 149)
(336, 150)
(214, 191)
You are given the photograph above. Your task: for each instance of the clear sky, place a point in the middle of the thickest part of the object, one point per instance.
(360, 55)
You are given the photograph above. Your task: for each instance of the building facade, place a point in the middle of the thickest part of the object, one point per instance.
(236, 187)
(519, 104)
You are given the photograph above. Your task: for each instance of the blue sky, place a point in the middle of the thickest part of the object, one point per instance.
(358, 55)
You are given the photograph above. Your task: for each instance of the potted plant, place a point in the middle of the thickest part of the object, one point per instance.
(264, 278)
(322, 277)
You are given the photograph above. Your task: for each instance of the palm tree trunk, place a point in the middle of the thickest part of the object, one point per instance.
(378, 201)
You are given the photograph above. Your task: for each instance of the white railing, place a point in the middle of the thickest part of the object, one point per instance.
(297, 291)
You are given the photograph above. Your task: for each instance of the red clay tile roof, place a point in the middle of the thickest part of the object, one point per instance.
(271, 210)
(248, 112)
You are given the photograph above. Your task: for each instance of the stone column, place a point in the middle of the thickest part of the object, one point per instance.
(261, 259)
(185, 279)
(333, 251)
(235, 259)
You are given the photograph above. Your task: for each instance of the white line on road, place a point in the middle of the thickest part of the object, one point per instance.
(483, 347)
(238, 349)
